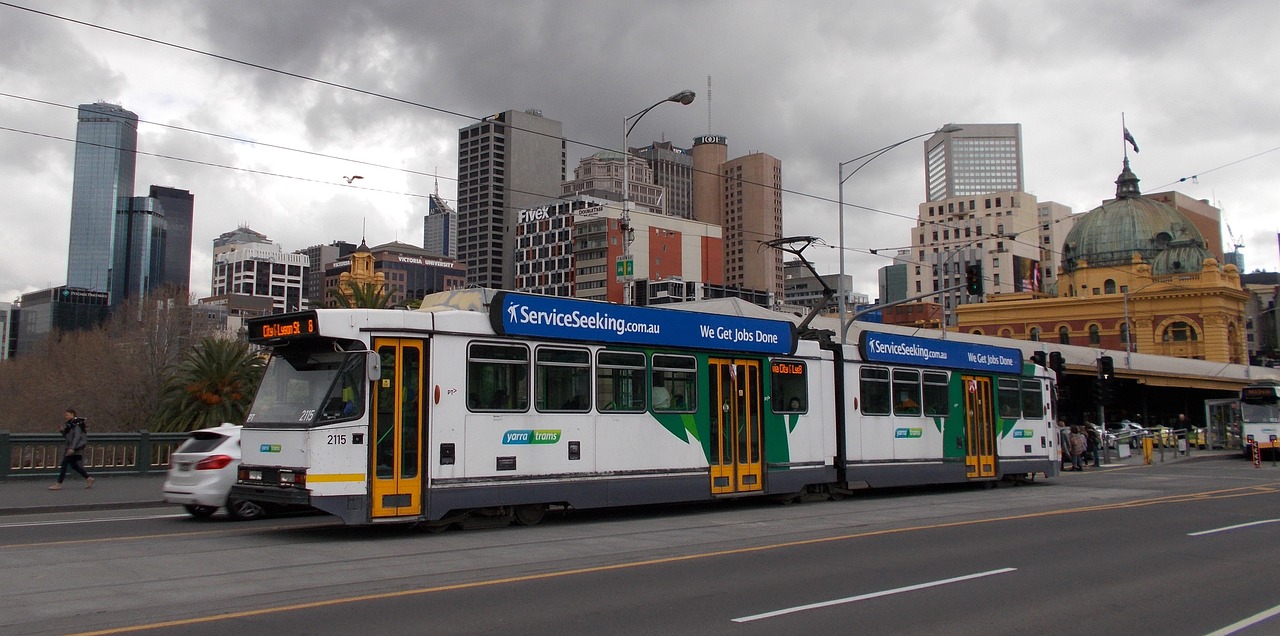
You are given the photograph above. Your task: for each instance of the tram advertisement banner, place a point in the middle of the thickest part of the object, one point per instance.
(586, 320)
(930, 352)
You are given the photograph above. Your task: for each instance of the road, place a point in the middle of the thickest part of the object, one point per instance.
(1178, 548)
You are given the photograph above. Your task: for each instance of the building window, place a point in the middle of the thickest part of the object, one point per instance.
(1064, 335)
(1035, 334)
(1109, 286)
(1180, 332)
(1124, 333)
(1095, 335)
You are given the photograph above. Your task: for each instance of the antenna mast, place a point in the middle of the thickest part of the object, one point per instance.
(709, 131)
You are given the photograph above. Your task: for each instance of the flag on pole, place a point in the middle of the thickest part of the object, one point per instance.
(1129, 138)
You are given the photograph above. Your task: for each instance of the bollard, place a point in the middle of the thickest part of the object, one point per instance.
(1147, 444)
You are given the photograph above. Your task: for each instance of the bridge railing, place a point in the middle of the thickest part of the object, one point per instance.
(137, 453)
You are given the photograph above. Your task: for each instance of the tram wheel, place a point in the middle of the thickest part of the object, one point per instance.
(244, 510)
(530, 515)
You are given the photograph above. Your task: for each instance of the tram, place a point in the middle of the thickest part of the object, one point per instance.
(490, 406)
(1260, 416)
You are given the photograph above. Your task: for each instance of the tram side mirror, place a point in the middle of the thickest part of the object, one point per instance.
(372, 366)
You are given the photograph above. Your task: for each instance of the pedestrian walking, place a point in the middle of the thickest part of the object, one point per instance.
(77, 436)
(1078, 445)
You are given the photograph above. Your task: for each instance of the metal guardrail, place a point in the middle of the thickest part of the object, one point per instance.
(39, 454)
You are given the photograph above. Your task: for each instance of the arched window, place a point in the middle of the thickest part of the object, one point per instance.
(1035, 334)
(1095, 335)
(1124, 333)
(1109, 286)
(1006, 333)
(1064, 335)
(1180, 332)
(976, 332)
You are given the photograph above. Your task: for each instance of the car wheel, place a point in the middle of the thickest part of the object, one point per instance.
(244, 510)
(200, 512)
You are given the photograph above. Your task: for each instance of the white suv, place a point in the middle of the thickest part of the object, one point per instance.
(201, 473)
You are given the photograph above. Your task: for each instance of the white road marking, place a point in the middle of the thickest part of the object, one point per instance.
(863, 597)
(30, 524)
(1248, 622)
(1235, 527)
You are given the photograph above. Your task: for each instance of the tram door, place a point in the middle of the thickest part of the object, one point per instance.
(736, 401)
(398, 421)
(979, 427)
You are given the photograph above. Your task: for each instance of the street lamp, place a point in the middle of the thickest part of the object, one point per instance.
(684, 98)
(865, 159)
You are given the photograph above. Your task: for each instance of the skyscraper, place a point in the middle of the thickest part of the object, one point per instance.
(507, 162)
(977, 159)
(106, 154)
(179, 208)
(137, 264)
(440, 228)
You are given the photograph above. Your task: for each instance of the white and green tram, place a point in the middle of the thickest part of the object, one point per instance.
(508, 404)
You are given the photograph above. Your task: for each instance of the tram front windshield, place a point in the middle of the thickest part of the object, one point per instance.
(1260, 413)
(306, 386)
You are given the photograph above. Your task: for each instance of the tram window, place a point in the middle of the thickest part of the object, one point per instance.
(497, 377)
(1009, 396)
(677, 378)
(906, 392)
(620, 381)
(562, 380)
(790, 386)
(874, 388)
(1032, 401)
(936, 396)
(346, 397)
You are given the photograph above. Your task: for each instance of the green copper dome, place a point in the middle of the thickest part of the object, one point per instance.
(1110, 234)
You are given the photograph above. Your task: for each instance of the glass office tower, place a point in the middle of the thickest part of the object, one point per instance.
(106, 153)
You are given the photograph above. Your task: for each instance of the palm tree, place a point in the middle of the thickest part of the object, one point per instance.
(214, 383)
(362, 296)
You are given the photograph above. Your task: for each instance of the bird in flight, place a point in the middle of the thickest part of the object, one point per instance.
(353, 178)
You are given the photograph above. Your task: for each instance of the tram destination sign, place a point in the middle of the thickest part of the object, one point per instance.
(877, 346)
(280, 327)
(559, 318)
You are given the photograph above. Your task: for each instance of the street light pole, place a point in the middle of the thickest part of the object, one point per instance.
(864, 159)
(683, 98)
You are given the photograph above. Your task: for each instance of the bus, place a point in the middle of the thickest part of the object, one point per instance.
(494, 407)
(1260, 416)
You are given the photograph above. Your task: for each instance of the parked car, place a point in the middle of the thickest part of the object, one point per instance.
(202, 470)
(1127, 431)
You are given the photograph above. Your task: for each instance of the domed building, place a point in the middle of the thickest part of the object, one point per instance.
(1136, 274)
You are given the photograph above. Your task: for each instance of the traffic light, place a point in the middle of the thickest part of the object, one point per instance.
(1103, 392)
(1040, 358)
(1106, 368)
(973, 280)
(1056, 363)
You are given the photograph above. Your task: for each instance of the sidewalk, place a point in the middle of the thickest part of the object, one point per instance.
(1170, 456)
(31, 495)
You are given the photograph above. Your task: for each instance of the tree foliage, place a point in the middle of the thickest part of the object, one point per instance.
(214, 383)
(112, 374)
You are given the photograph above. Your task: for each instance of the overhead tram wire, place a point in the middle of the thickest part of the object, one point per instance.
(369, 93)
(437, 109)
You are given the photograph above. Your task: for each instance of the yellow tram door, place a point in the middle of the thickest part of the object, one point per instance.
(398, 413)
(979, 427)
(737, 464)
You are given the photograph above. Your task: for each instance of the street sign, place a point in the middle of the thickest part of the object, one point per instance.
(626, 268)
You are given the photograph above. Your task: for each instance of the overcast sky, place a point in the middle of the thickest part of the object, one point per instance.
(811, 83)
